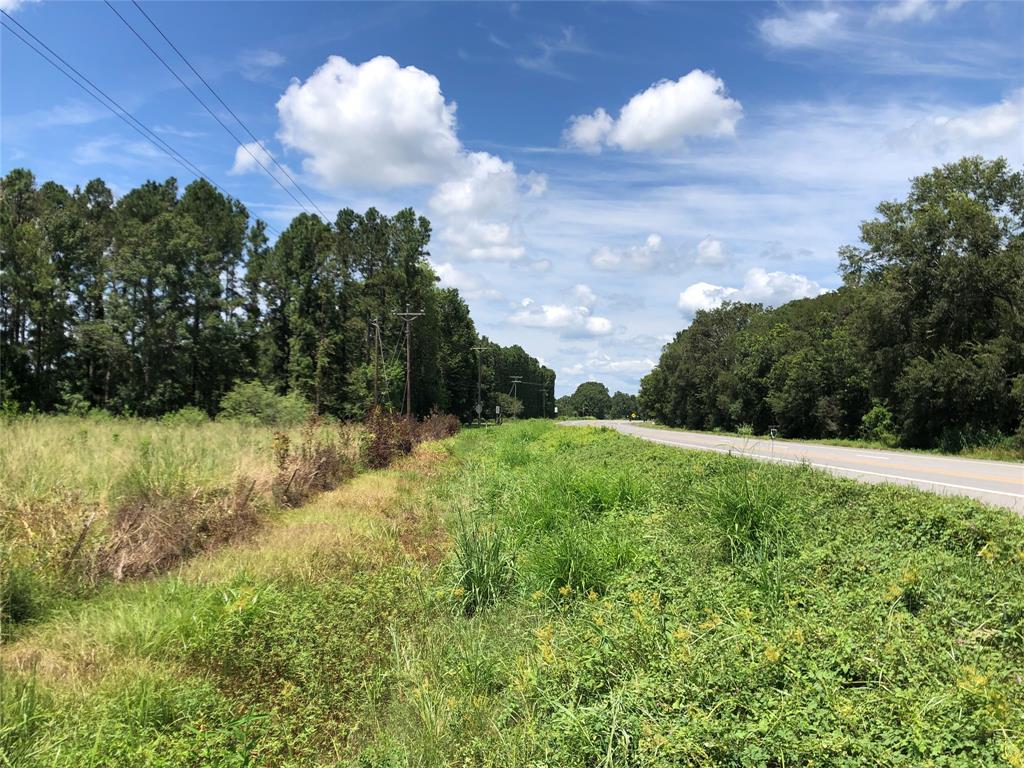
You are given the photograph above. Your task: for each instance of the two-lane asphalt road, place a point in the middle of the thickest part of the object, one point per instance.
(994, 482)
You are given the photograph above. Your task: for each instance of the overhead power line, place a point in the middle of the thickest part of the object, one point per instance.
(124, 114)
(231, 112)
(69, 71)
(206, 106)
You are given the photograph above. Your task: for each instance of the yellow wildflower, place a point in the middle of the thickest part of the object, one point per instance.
(972, 680)
(592, 596)
(681, 634)
(712, 622)
(565, 590)
(894, 592)
(1013, 755)
(772, 653)
(988, 552)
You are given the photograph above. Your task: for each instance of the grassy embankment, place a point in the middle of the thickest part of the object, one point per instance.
(541, 596)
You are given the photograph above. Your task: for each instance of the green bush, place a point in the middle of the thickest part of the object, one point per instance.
(877, 426)
(255, 403)
(189, 416)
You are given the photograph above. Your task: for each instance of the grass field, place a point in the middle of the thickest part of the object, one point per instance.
(542, 596)
(84, 499)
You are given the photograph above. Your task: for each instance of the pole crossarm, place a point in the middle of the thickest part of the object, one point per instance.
(408, 317)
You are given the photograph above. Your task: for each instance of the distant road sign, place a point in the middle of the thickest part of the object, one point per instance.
(479, 408)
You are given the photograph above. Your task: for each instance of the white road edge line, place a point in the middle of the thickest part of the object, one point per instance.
(881, 452)
(914, 480)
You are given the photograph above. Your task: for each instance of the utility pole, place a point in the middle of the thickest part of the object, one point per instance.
(375, 324)
(407, 318)
(479, 398)
(516, 380)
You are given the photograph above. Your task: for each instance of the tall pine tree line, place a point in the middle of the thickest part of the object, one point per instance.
(160, 300)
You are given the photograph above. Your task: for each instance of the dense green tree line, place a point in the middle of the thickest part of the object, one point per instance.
(159, 300)
(923, 345)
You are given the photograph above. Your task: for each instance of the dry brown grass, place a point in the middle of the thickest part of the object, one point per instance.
(83, 501)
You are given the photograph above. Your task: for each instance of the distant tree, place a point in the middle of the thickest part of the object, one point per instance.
(511, 407)
(591, 398)
(622, 406)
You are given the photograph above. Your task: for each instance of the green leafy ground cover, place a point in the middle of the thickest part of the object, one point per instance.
(546, 596)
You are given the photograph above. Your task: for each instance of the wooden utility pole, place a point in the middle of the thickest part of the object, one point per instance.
(407, 318)
(479, 399)
(516, 381)
(375, 323)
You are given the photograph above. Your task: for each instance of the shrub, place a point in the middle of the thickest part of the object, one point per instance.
(189, 416)
(319, 463)
(437, 426)
(255, 403)
(877, 426)
(385, 438)
(746, 430)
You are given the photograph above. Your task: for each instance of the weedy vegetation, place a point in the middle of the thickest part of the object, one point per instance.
(536, 595)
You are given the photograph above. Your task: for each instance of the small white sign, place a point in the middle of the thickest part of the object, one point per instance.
(497, 410)
(556, 410)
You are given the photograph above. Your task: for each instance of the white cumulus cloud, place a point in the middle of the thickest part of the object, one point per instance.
(374, 124)
(569, 320)
(759, 286)
(801, 29)
(469, 285)
(246, 156)
(589, 132)
(661, 117)
(640, 258)
(383, 126)
(483, 240)
(712, 253)
(984, 129)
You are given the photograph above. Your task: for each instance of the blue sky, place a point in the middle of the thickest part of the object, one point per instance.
(595, 173)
